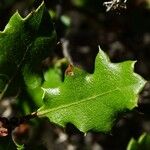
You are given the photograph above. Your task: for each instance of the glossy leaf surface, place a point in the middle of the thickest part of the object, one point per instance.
(93, 101)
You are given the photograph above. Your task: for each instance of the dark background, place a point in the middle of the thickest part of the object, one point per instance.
(123, 33)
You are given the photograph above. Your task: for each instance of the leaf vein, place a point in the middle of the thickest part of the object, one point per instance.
(41, 113)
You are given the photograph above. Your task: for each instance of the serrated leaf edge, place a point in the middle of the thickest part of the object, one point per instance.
(25, 18)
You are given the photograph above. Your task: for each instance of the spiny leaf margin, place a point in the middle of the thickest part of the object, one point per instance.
(118, 88)
(24, 43)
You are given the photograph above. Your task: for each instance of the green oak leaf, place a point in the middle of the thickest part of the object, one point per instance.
(24, 43)
(93, 101)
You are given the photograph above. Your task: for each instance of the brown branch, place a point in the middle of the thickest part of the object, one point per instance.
(7, 125)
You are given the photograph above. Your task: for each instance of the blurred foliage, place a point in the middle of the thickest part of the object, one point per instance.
(6, 143)
(52, 78)
(143, 143)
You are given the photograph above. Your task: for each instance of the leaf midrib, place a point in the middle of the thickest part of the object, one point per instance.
(41, 113)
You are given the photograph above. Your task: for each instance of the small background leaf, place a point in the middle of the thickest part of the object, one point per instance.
(52, 78)
(143, 143)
